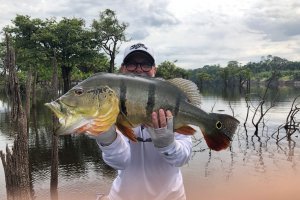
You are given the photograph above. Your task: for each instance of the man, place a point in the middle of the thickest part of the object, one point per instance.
(150, 168)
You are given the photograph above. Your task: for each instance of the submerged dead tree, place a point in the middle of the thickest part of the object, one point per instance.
(16, 161)
(292, 124)
(54, 151)
(261, 109)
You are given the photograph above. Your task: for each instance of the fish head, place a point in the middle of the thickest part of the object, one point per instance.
(81, 106)
(219, 131)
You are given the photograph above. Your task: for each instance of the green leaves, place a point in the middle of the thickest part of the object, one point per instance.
(37, 41)
(168, 70)
(109, 34)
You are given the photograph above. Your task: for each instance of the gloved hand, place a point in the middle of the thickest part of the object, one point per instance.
(104, 138)
(162, 134)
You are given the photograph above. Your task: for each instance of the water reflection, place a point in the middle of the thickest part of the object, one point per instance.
(82, 172)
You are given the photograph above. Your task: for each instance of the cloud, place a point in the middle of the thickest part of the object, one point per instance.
(195, 33)
(138, 34)
(277, 20)
(145, 16)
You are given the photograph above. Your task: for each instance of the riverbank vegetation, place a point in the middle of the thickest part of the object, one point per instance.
(81, 51)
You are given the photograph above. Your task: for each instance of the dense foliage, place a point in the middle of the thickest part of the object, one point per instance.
(235, 73)
(78, 51)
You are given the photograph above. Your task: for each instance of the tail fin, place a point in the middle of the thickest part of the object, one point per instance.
(219, 133)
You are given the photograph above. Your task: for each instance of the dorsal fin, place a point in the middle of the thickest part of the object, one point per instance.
(189, 88)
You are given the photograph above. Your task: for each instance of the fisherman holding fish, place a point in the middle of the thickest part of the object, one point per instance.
(130, 115)
(150, 168)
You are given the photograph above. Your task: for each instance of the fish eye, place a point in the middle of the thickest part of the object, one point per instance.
(218, 125)
(78, 91)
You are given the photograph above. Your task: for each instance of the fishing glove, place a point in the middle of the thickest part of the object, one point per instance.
(163, 137)
(107, 137)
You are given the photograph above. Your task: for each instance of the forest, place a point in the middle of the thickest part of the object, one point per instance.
(81, 51)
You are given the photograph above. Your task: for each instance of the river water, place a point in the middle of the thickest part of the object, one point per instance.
(252, 168)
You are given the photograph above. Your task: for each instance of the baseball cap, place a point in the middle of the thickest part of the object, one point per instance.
(139, 48)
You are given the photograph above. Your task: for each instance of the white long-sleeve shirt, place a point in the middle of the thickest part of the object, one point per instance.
(144, 171)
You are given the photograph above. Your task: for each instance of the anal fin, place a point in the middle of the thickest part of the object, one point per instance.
(185, 130)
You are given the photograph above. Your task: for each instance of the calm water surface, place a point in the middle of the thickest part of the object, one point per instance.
(253, 168)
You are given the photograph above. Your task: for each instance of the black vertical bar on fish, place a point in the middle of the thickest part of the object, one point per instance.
(151, 99)
(177, 104)
(123, 91)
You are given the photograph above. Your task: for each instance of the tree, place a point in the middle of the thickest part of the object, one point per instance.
(2, 65)
(168, 70)
(203, 76)
(70, 43)
(69, 33)
(27, 49)
(109, 32)
(37, 42)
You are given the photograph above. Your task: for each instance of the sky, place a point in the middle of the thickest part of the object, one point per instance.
(192, 33)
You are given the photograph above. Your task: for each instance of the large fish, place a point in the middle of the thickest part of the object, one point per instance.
(128, 100)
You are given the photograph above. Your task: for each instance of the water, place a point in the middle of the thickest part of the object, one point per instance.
(253, 168)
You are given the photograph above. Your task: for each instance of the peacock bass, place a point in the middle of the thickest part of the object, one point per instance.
(128, 100)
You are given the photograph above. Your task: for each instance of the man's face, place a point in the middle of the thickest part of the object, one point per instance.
(139, 64)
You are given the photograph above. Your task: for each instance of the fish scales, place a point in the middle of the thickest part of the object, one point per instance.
(139, 97)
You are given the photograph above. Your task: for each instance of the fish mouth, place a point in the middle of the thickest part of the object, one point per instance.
(56, 108)
(59, 109)
(68, 123)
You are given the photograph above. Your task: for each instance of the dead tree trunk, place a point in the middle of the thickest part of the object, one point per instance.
(16, 161)
(54, 152)
(11, 82)
(16, 165)
(34, 90)
(28, 93)
(66, 75)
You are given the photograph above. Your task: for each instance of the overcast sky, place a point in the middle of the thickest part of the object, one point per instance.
(193, 32)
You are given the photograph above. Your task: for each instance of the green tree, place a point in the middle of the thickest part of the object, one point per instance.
(168, 70)
(296, 76)
(37, 42)
(26, 47)
(70, 34)
(109, 34)
(203, 76)
(2, 56)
